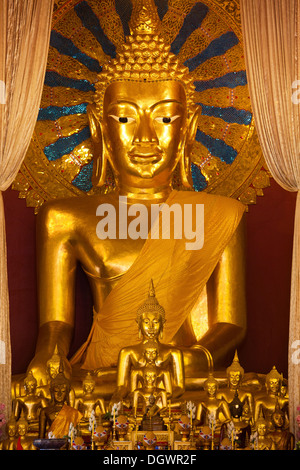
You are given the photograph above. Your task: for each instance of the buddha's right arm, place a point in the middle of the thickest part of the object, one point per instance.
(56, 266)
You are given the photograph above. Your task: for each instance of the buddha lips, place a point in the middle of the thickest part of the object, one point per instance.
(160, 221)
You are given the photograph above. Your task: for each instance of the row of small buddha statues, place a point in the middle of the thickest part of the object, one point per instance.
(222, 415)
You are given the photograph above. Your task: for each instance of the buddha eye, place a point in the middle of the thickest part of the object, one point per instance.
(122, 119)
(166, 119)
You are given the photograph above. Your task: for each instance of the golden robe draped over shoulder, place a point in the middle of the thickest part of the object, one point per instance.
(178, 275)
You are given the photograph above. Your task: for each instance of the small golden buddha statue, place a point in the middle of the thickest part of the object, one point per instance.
(154, 399)
(266, 403)
(31, 404)
(11, 430)
(264, 442)
(212, 407)
(58, 415)
(235, 374)
(24, 441)
(143, 124)
(280, 435)
(168, 359)
(89, 402)
(241, 427)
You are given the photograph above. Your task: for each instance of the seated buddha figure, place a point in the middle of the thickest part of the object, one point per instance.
(280, 435)
(11, 430)
(264, 442)
(89, 402)
(266, 403)
(57, 416)
(143, 123)
(30, 404)
(235, 374)
(211, 405)
(166, 358)
(154, 399)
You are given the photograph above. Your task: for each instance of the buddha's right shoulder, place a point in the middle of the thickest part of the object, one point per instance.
(71, 208)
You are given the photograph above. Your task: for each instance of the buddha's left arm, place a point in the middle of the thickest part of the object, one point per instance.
(227, 300)
(178, 374)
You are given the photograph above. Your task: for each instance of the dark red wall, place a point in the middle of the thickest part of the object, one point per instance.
(269, 253)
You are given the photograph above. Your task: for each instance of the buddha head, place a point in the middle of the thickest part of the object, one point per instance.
(88, 384)
(151, 317)
(211, 385)
(235, 372)
(150, 376)
(53, 364)
(60, 389)
(143, 119)
(273, 381)
(261, 426)
(22, 425)
(30, 384)
(11, 427)
(278, 418)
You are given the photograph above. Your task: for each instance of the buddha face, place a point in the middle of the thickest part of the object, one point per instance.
(278, 420)
(234, 378)
(53, 369)
(151, 354)
(11, 430)
(150, 325)
(143, 129)
(59, 392)
(22, 429)
(273, 385)
(88, 387)
(30, 386)
(261, 429)
(150, 378)
(211, 389)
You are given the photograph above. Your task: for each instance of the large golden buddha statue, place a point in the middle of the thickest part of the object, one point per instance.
(143, 123)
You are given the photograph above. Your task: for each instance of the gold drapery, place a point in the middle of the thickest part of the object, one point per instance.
(25, 28)
(179, 275)
(271, 41)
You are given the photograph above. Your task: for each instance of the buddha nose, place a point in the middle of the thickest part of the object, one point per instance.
(145, 132)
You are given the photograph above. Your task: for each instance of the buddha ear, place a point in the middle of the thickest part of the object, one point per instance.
(185, 160)
(100, 161)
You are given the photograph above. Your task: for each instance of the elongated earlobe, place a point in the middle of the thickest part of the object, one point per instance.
(100, 160)
(185, 159)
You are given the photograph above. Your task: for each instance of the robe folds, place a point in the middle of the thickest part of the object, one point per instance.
(179, 275)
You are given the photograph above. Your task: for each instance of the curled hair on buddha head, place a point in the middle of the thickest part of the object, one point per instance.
(144, 57)
(152, 305)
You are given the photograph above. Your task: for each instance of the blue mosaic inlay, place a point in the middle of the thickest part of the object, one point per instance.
(199, 181)
(54, 79)
(162, 7)
(217, 147)
(66, 145)
(91, 22)
(124, 10)
(216, 48)
(230, 114)
(51, 113)
(191, 22)
(67, 47)
(230, 80)
(83, 180)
